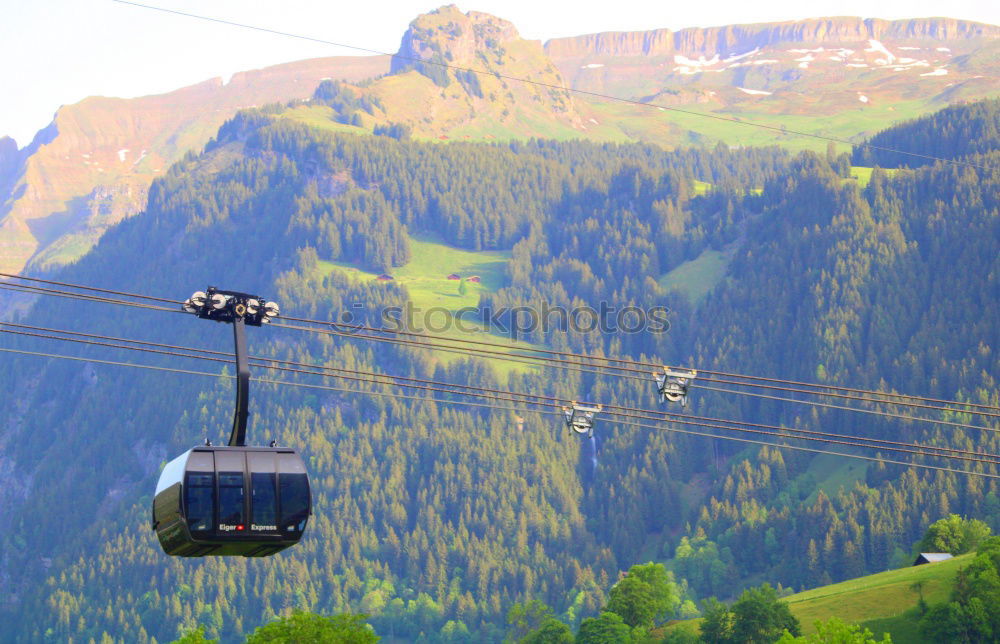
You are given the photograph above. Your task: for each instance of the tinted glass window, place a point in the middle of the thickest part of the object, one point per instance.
(198, 493)
(294, 502)
(263, 502)
(230, 501)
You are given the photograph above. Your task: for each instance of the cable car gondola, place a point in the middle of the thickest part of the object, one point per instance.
(234, 499)
(220, 500)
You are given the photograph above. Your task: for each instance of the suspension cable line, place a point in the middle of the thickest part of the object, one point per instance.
(875, 459)
(631, 374)
(38, 290)
(508, 396)
(609, 370)
(875, 412)
(636, 367)
(629, 364)
(90, 288)
(529, 360)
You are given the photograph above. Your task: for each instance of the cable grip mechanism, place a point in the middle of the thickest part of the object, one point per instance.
(240, 310)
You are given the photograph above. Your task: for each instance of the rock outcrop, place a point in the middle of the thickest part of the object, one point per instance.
(454, 75)
(451, 36)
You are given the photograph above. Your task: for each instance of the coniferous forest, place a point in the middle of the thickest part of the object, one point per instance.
(435, 520)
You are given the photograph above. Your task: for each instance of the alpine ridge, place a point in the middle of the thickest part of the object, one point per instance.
(731, 38)
(122, 145)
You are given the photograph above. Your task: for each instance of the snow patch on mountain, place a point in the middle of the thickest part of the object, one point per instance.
(754, 92)
(877, 47)
(688, 66)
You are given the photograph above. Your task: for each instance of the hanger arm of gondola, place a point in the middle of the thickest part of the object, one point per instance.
(238, 309)
(238, 437)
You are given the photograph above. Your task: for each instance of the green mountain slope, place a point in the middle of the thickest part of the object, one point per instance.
(415, 530)
(885, 602)
(432, 518)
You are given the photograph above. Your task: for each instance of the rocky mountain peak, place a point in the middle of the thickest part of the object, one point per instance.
(448, 35)
(458, 68)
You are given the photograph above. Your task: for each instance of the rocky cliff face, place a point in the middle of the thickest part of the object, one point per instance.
(454, 36)
(428, 93)
(820, 67)
(740, 38)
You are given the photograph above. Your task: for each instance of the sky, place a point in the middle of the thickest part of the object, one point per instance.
(58, 52)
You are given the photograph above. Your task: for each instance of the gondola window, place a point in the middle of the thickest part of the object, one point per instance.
(199, 493)
(231, 501)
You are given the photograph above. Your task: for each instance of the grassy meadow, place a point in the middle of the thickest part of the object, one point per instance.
(436, 299)
(695, 278)
(885, 602)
